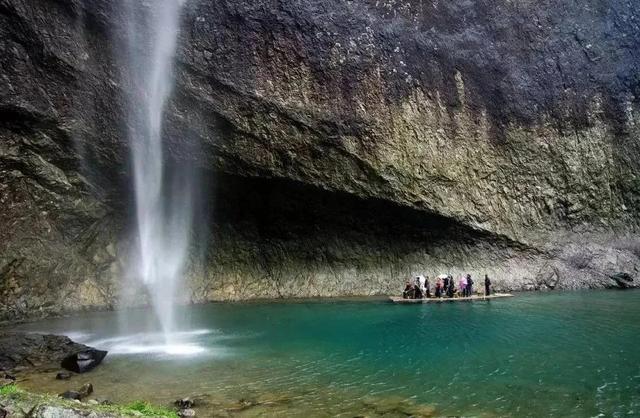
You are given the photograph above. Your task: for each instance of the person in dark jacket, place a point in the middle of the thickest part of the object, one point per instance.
(409, 290)
(451, 288)
(417, 289)
(469, 285)
(487, 285)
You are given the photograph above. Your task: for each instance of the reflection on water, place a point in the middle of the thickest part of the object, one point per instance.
(562, 354)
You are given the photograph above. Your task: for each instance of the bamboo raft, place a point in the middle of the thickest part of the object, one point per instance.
(399, 299)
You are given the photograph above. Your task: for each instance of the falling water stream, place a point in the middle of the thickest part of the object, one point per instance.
(163, 193)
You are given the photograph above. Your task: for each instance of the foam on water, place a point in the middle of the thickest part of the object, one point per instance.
(185, 343)
(169, 349)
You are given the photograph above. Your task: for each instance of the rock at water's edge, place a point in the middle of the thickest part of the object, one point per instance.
(184, 403)
(84, 361)
(80, 394)
(32, 350)
(622, 279)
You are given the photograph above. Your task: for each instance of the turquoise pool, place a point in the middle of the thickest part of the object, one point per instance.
(557, 354)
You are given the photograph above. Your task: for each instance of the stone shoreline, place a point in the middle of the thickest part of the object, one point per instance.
(22, 404)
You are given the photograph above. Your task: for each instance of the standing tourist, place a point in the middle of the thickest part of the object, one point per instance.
(469, 285)
(487, 285)
(421, 283)
(418, 289)
(409, 290)
(462, 286)
(451, 288)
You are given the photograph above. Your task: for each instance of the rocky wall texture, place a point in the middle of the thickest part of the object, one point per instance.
(345, 145)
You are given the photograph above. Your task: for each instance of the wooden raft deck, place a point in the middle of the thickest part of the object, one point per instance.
(399, 299)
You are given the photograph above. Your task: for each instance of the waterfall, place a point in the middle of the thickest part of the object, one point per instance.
(163, 194)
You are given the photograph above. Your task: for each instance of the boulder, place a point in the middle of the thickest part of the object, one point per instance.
(187, 413)
(83, 361)
(23, 351)
(86, 390)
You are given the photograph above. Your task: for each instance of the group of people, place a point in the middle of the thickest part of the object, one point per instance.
(444, 286)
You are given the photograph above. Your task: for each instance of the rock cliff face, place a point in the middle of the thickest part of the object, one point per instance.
(342, 145)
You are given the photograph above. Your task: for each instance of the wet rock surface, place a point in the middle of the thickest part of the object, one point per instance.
(85, 391)
(26, 350)
(79, 394)
(71, 394)
(83, 361)
(64, 376)
(502, 138)
(185, 403)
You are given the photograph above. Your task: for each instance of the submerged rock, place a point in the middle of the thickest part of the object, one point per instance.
(184, 403)
(71, 394)
(63, 376)
(396, 405)
(84, 361)
(241, 405)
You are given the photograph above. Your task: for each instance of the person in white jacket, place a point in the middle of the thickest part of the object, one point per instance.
(422, 282)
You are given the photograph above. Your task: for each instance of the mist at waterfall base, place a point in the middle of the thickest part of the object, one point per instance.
(166, 192)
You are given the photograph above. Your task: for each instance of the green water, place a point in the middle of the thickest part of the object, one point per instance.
(561, 354)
